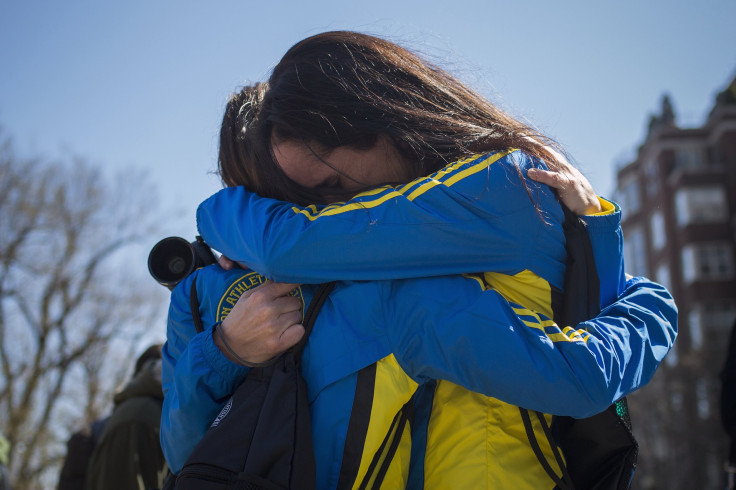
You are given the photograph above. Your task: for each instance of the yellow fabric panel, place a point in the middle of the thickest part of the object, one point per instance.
(479, 442)
(525, 288)
(456, 455)
(393, 388)
(512, 462)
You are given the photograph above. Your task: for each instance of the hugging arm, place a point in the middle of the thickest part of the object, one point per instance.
(525, 359)
(477, 207)
(474, 215)
(451, 328)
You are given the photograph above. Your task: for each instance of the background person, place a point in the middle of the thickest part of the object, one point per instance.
(79, 449)
(129, 454)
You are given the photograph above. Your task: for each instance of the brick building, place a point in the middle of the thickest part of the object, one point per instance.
(679, 219)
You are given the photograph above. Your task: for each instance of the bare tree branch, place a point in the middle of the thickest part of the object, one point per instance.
(71, 312)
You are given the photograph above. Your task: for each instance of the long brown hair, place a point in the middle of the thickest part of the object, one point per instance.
(238, 124)
(346, 88)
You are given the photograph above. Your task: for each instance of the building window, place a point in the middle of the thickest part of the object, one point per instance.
(720, 157)
(630, 196)
(689, 157)
(657, 229)
(672, 358)
(710, 321)
(635, 253)
(718, 315)
(710, 261)
(701, 391)
(695, 318)
(650, 177)
(663, 276)
(701, 205)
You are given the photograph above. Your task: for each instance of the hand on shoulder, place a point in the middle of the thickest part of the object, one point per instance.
(571, 185)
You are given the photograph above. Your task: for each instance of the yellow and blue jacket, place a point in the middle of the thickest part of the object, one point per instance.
(484, 341)
(479, 214)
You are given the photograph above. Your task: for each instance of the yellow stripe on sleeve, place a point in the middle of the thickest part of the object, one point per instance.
(447, 176)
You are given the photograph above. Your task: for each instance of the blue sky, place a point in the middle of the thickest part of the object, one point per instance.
(142, 84)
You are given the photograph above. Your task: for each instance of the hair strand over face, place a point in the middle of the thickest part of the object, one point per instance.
(345, 88)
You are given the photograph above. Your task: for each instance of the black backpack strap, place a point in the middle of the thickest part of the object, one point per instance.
(600, 451)
(580, 301)
(265, 428)
(564, 483)
(581, 274)
(194, 306)
(384, 456)
(385, 453)
(319, 298)
(360, 416)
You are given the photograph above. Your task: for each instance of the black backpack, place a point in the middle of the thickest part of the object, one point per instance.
(262, 438)
(600, 452)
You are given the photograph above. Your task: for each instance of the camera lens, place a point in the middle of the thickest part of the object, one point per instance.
(171, 260)
(177, 265)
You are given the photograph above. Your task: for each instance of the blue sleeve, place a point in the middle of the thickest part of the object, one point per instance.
(523, 358)
(197, 380)
(476, 214)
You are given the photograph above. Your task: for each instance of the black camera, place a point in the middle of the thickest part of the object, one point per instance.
(174, 258)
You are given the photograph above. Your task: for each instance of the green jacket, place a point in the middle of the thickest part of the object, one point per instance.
(129, 454)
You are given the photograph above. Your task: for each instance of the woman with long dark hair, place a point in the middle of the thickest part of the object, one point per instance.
(436, 182)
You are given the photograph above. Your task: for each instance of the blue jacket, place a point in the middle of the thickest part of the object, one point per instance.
(477, 214)
(446, 328)
(463, 331)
